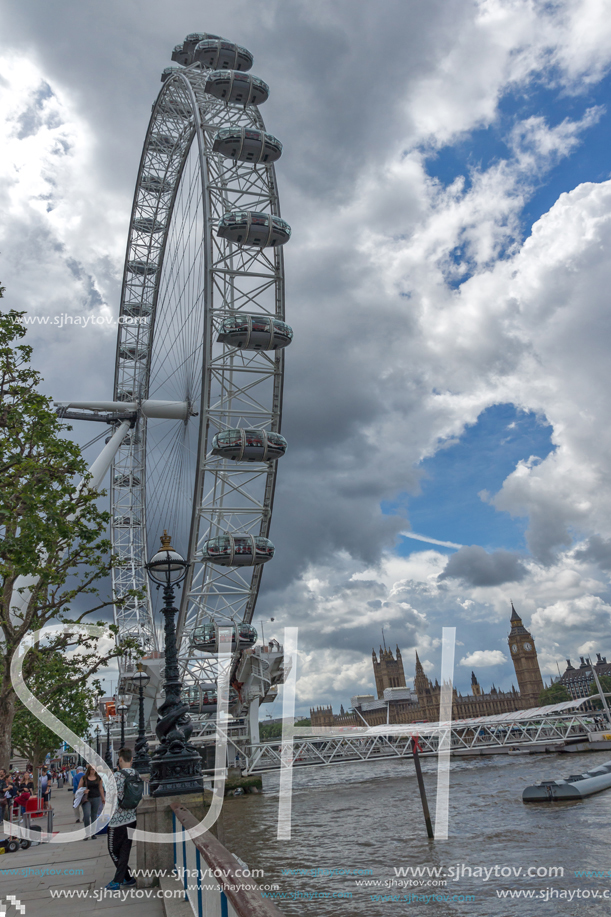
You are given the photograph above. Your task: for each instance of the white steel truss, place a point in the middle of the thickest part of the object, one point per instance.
(395, 741)
(180, 281)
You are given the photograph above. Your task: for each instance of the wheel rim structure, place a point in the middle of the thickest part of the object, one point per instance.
(181, 281)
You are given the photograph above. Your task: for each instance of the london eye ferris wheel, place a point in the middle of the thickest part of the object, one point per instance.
(200, 351)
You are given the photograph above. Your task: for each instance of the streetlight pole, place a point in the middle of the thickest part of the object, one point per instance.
(142, 760)
(122, 708)
(97, 740)
(176, 766)
(108, 755)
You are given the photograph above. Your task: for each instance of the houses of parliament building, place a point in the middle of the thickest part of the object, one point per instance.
(396, 703)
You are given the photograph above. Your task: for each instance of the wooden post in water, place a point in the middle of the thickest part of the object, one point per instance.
(425, 805)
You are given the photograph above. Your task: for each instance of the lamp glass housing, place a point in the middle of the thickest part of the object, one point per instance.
(140, 679)
(167, 567)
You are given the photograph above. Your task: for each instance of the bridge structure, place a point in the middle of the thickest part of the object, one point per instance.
(538, 730)
(524, 731)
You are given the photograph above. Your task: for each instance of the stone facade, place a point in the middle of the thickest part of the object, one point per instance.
(388, 670)
(579, 680)
(401, 710)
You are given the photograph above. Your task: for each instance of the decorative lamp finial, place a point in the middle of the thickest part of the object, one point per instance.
(166, 541)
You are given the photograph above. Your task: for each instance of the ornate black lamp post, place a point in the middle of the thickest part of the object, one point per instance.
(108, 755)
(142, 760)
(176, 766)
(98, 732)
(122, 709)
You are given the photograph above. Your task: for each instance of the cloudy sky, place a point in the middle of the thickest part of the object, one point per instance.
(447, 178)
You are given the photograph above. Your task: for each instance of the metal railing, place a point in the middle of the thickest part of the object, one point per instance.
(215, 882)
(332, 747)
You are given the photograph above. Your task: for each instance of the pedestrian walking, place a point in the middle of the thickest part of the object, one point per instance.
(130, 789)
(93, 799)
(45, 788)
(6, 793)
(75, 782)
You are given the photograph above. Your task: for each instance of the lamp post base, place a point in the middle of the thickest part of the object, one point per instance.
(176, 774)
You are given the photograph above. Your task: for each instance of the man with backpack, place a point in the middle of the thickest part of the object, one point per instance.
(130, 789)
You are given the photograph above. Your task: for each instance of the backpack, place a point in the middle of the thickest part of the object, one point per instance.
(133, 790)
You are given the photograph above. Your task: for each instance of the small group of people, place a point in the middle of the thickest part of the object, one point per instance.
(15, 789)
(90, 796)
(89, 793)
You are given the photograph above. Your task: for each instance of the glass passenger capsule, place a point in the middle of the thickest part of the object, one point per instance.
(148, 224)
(203, 697)
(167, 72)
(136, 352)
(142, 267)
(136, 309)
(124, 521)
(173, 109)
(205, 637)
(161, 143)
(247, 144)
(247, 227)
(222, 55)
(194, 38)
(249, 445)
(183, 53)
(238, 550)
(255, 332)
(155, 184)
(126, 480)
(179, 55)
(234, 86)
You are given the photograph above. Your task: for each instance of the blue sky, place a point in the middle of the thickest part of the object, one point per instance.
(589, 162)
(449, 507)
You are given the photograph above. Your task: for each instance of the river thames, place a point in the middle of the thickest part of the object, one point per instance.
(357, 824)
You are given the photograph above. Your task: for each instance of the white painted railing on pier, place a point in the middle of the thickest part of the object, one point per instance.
(216, 883)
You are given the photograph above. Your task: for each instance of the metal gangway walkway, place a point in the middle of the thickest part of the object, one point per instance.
(520, 731)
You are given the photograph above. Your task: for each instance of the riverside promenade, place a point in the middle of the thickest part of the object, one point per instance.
(65, 880)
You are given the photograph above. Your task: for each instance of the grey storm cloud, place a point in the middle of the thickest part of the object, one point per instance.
(476, 567)
(388, 361)
(336, 122)
(597, 550)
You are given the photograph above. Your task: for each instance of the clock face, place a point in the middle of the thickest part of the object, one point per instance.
(528, 646)
(514, 647)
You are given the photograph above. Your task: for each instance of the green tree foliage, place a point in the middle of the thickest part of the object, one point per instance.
(605, 683)
(274, 730)
(270, 730)
(555, 694)
(50, 531)
(56, 681)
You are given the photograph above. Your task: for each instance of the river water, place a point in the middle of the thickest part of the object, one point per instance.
(351, 819)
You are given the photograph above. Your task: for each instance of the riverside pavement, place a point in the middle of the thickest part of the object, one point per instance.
(83, 866)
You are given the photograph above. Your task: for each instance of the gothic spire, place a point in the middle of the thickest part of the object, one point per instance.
(516, 623)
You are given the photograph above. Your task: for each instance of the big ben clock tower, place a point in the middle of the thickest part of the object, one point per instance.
(524, 655)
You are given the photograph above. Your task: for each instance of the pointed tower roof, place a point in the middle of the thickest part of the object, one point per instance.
(474, 680)
(418, 664)
(516, 623)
